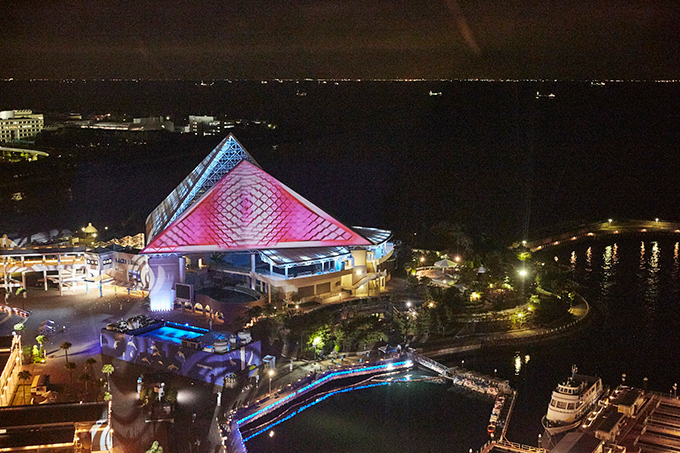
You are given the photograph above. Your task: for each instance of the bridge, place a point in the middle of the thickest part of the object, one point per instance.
(68, 262)
(15, 154)
(609, 227)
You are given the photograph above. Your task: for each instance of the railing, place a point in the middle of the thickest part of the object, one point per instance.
(235, 439)
(507, 338)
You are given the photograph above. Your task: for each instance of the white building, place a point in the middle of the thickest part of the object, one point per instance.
(10, 365)
(19, 125)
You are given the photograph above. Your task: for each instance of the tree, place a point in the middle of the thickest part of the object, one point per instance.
(269, 310)
(41, 339)
(255, 312)
(155, 448)
(107, 370)
(70, 366)
(452, 237)
(25, 375)
(85, 377)
(89, 362)
(65, 346)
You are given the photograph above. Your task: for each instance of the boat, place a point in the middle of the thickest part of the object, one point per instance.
(547, 96)
(571, 402)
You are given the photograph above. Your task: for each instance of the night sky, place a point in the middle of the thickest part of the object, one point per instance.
(580, 39)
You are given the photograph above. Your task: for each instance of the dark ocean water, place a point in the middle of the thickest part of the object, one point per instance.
(488, 155)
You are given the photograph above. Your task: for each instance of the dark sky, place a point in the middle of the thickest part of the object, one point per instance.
(340, 38)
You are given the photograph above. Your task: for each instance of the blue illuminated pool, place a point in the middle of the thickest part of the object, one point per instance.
(174, 334)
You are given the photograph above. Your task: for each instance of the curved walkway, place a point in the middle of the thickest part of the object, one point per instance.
(597, 229)
(580, 311)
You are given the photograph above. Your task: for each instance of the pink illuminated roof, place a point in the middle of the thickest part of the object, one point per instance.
(249, 209)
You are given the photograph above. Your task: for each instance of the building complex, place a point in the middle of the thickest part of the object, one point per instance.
(230, 216)
(18, 125)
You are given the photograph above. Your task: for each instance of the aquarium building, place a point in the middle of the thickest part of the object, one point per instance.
(230, 218)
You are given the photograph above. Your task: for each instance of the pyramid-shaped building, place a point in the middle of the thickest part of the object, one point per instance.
(218, 163)
(229, 214)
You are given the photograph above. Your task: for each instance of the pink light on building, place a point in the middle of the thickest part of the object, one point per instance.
(249, 209)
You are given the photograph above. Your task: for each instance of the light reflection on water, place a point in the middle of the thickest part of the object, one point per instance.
(675, 268)
(633, 288)
(610, 261)
(651, 290)
(641, 265)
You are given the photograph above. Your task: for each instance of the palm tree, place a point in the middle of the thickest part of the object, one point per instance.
(107, 370)
(91, 361)
(41, 339)
(70, 366)
(25, 376)
(65, 346)
(85, 377)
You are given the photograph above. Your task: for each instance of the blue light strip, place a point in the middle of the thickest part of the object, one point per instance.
(326, 378)
(186, 327)
(316, 401)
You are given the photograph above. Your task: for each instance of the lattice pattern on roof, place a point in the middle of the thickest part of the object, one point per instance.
(218, 163)
(249, 209)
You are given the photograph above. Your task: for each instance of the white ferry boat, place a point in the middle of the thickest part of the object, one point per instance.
(571, 401)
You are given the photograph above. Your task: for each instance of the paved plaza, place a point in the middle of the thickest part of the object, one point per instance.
(78, 317)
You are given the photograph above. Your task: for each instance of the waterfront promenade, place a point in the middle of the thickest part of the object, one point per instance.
(606, 228)
(580, 311)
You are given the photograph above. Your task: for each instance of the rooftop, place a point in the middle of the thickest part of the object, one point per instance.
(577, 443)
(52, 414)
(40, 435)
(248, 209)
(627, 396)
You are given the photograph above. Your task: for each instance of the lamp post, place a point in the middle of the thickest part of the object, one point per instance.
(271, 375)
(523, 273)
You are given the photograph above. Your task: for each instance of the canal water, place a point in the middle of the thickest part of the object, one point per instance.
(633, 286)
(400, 417)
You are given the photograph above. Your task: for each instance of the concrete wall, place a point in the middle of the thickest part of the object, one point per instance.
(164, 272)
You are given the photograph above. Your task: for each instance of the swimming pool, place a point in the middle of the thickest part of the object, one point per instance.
(173, 334)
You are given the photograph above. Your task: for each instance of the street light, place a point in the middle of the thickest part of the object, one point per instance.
(523, 273)
(271, 375)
